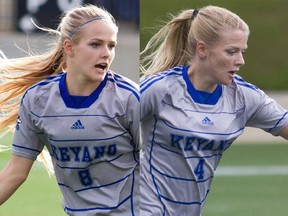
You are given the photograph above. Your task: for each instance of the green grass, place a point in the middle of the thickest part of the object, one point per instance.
(250, 195)
(256, 154)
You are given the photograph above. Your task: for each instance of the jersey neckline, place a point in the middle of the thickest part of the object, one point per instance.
(194, 93)
(69, 102)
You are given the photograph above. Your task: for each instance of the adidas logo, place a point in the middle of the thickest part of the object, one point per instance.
(207, 121)
(77, 125)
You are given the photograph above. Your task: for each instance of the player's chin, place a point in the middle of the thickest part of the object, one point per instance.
(227, 81)
(98, 78)
(99, 74)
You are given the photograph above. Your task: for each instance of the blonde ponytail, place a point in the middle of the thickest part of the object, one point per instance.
(167, 48)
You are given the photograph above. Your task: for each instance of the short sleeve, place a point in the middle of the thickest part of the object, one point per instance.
(26, 142)
(267, 114)
(151, 95)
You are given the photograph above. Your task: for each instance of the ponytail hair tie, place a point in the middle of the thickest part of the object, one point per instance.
(194, 14)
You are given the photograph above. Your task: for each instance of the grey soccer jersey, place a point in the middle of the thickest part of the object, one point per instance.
(184, 138)
(94, 146)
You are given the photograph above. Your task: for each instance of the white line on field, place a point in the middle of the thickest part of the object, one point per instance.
(251, 170)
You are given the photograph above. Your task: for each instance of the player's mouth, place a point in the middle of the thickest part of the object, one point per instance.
(101, 67)
(232, 72)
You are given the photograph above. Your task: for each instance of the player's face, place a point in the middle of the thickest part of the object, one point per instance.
(226, 57)
(95, 51)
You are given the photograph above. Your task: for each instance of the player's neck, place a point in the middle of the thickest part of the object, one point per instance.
(199, 81)
(80, 87)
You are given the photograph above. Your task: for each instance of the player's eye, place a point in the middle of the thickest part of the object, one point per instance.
(112, 46)
(95, 44)
(231, 51)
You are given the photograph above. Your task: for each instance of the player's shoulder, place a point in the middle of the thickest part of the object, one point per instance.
(161, 80)
(243, 91)
(123, 85)
(243, 86)
(44, 86)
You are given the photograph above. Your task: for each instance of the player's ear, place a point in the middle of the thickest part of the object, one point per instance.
(68, 47)
(201, 49)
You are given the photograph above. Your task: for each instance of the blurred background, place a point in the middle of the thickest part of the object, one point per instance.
(18, 31)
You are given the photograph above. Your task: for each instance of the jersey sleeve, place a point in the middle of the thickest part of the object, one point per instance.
(266, 113)
(26, 142)
(151, 96)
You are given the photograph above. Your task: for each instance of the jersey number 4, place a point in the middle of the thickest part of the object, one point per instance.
(199, 170)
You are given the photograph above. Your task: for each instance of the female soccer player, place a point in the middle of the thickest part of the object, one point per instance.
(84, 114)
(193, 106)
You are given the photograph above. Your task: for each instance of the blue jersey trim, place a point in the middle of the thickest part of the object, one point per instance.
(212, 113)
(181, 179)
(22, 147)
(46, 81)
(186, 203)
(86, 167)
(212, 99)
(202, 132)
(97, 208)
(100, 186)
(124, 84)
(189, 157)
(120, 79)
(278, 122)
(132, 192)
(78, 99)
(89, 140)
(68, 116)
(145, 84)
(240, 81)
(134, 92)
(151, 166)
(69, 102)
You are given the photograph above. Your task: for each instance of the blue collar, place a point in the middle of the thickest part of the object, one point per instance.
(69, 102)
(200, 96)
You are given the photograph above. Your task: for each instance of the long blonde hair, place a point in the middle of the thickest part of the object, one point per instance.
(18, 74)
(175, 43)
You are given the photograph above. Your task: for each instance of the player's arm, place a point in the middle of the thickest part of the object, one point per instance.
(13, 175)
(284, 133)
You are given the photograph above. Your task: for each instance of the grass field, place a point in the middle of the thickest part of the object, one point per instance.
(251, 194)
(237, 195)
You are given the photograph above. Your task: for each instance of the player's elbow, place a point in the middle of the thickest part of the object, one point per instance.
(284, 133)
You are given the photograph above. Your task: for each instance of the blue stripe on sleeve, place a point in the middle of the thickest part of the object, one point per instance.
(145, 84)
(23, 147)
